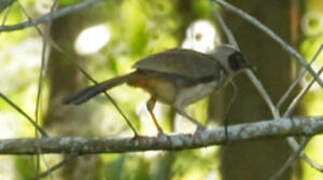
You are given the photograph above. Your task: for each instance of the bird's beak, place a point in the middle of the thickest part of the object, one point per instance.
(251, 67)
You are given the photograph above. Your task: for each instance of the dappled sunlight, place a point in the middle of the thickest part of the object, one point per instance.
(209, 151)
(183, 125)
(43, 6)
(152, 154)
(7, 167)
(316, 87)
(9, 125)
(312, 23)
(201, 36)
(109, 123)
(312, 26)
(19, 62)
(314, 149)
(127, 32)
(92, 39)
(22, 58)
(212, 175)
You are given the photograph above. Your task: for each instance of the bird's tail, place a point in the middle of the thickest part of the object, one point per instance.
(85, 94)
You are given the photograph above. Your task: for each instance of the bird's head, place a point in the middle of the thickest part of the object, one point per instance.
(231, 58)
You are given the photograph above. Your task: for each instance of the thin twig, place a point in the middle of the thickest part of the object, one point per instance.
(17, 108)
(6, 15)
(274, 36)
(249, 73)
(88, 76)
(292, 142)
(29, 18)
(69, 158)
(39, 84)
(299, 152)
(49, 17)
(62, 12)
(114, 103)
(263, 93)
(297, 99)
(290, 160)
(225, 28)
(228, 108)
(42, 74)
(299, 78)
(5, 3)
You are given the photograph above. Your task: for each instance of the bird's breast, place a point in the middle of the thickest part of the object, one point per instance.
(189, 95)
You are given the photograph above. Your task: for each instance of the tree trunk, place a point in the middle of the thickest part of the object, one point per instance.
(64, 79)
(258, 159)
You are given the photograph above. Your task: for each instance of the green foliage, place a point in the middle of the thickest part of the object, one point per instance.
(202, 8)
(25, 168)
(138, 28)
(69, 2)
(313, 101)
(114, 170)
(127, 167)
(132, 14)
(12, 38)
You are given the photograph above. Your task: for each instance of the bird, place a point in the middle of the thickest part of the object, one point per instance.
(177, 77)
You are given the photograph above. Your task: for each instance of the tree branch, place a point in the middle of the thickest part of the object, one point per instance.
(300, 126)
(17, 108)
(5, 3)
(51, 16)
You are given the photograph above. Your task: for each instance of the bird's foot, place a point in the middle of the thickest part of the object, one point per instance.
(226, 134)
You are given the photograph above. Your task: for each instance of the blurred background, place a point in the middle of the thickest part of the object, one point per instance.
(107, 39)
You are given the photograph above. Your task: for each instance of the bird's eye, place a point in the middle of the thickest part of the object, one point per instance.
(236, 61)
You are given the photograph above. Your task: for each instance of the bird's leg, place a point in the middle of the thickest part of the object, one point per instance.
(226, 132)
(183, 113)
(150, 106)
(226, 123)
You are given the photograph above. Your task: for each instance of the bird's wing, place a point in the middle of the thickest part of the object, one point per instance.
(183, 62)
